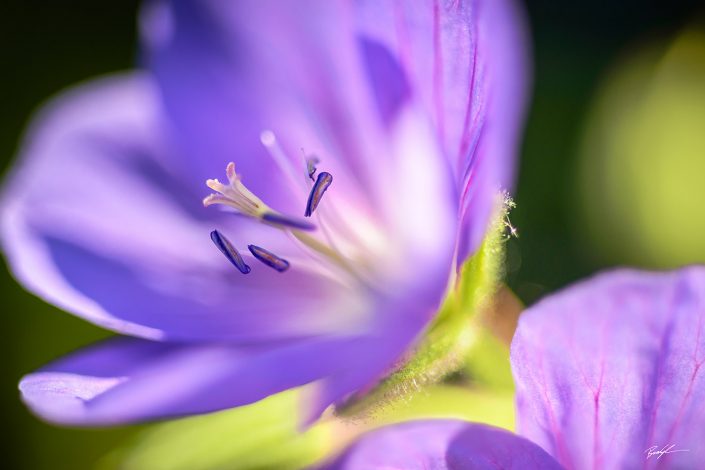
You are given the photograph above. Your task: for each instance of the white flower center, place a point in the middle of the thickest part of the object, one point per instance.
(238, 197)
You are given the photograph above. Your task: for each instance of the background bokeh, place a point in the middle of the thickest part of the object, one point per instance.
(612, 165)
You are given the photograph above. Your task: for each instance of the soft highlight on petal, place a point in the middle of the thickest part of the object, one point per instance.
(612, 367)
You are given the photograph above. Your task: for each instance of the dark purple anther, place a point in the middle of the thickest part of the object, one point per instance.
(229, 251)
(322, 183)
(281, 219)
(269, 258)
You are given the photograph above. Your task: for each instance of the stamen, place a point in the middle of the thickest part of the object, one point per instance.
(311, 163)
(229, 251)
(281, 219)
(269, 258)
(322, 183)
(235, 195)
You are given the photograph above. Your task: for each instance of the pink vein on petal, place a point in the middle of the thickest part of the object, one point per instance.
(656, 383)
(557, 436)
(693, 376)
(465, 140)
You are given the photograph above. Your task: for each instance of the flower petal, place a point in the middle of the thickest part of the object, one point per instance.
(304, 73)
(95, 221)
(442, 444)
(467, 62)
(612, 367)
(230, 70)
(126, 380)
(130, 380)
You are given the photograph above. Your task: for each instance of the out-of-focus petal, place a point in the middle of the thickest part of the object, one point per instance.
(440, 445)
(128, 380)
(612, 367)
(467, 61)
(131, 380)
(95, 221)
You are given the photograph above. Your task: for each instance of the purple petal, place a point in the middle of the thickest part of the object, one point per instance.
(503, 45)
(390, 85)
(611, 367)
(467, 61)
(230, 70)
(442, 444)
(129, 380)
(397, 323)
(126, 380)
(95, 222)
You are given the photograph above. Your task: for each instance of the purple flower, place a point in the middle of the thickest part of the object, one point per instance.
(608, 375)
(412, 111)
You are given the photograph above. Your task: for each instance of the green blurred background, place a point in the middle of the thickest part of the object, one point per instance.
(612, 165)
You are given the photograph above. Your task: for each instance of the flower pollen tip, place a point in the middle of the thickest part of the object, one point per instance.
(267, 138)
(214, 184)
(227, 248)
(269, 258)
(230, 172)
(321, 185)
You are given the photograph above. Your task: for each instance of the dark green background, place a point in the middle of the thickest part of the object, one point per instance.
(48, 45)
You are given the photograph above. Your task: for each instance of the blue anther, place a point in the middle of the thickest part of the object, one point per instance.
(229, 251)
(322, 183)
(269, 258)
(281, 219)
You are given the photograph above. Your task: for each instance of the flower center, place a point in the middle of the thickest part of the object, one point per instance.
(237, 196)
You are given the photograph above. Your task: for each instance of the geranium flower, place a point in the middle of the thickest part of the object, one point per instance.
(391, 124)
(608, 375)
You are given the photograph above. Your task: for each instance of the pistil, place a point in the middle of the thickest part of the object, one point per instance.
(236, 195)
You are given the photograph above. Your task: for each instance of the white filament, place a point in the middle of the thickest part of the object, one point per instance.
(296, 183)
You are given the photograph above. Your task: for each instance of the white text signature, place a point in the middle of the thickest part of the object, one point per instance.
(668, 449)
